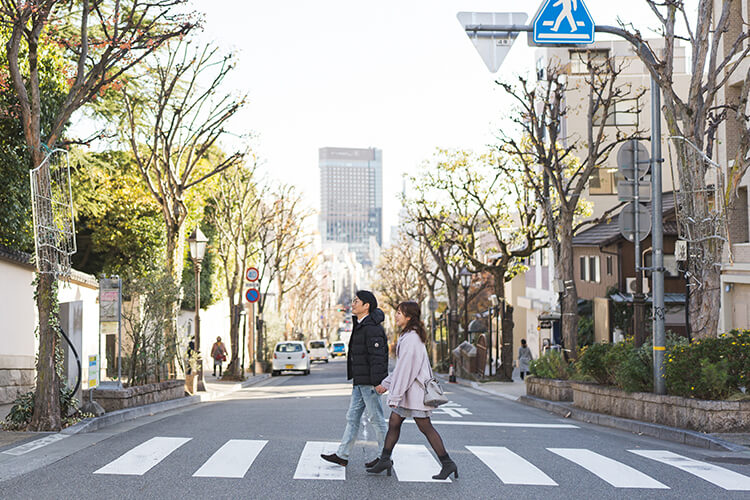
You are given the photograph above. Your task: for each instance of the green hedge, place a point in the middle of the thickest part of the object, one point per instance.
(551, 365)
(705, 369)
(715, 368)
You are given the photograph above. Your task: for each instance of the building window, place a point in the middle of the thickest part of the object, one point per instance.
(610, 269)
(544, 257)
(579, 60)
(584, 269)
(590, 269)
(622, 113)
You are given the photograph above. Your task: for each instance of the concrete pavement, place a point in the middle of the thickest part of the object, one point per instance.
(264, 441)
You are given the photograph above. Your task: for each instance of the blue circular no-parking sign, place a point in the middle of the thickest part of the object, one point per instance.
(252, 295)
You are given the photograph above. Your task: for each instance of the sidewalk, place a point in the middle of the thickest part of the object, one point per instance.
(516, 391)
(215, 389)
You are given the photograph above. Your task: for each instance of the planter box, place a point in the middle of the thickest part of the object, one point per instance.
(118, 399)
(673, 411)
(549, 389)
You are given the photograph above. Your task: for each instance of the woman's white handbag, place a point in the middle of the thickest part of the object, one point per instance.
(433, 393)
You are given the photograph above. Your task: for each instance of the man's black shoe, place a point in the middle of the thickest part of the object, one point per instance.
(335, 459)
(372, 463)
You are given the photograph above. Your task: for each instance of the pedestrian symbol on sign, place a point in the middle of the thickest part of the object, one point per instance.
(563, 21)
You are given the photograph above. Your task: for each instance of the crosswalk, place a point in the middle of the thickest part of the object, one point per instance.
(416, 463)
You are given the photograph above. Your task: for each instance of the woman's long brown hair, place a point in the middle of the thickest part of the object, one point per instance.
(412, 311)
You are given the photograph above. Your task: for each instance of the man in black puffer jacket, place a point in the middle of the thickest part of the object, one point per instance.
(367, 365)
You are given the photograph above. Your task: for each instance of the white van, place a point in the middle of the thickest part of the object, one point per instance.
(318, 350)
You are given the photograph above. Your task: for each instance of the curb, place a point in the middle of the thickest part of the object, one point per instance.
(119, 416)
(683, 436)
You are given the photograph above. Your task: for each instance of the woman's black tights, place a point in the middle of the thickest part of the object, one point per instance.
(423, 424)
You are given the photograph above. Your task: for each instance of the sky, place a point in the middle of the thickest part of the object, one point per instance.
(399, 75)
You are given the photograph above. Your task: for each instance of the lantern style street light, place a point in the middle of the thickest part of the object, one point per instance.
(197, 243)
(465, 277)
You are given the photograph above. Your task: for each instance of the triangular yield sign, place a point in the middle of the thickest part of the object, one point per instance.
(492, 46)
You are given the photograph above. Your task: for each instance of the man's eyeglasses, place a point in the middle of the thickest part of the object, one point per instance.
(355, 300)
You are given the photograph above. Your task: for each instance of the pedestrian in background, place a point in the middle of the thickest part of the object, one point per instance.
(406, 391)
(524, 358)
(366, 366)
(219, 353)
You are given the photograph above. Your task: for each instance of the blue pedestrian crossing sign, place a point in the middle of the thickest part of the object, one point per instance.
(563, 22)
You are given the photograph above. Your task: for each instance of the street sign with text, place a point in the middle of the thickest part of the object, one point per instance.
(492, 47)
(563, 22)
(252, 274)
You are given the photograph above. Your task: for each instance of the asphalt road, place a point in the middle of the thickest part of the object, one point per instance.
(266, 439)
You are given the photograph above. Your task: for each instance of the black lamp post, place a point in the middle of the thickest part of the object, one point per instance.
(465, 277)
(197, 243)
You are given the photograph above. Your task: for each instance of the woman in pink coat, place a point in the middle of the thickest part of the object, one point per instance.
(406, 391)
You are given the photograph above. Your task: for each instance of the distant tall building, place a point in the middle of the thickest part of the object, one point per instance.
(351, 198)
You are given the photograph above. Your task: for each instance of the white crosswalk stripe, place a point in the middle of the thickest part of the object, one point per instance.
(311, 466)
(725, 478)
(232, 460)
(615, 473)
(415, 463)
(143, 457)
(509, 467)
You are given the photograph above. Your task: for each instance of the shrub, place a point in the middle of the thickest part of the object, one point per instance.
(551, 365)
(20, 413)
(585, 331)
(714, 368)
(592, 363)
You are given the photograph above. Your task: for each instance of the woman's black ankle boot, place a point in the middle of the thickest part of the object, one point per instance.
(449, 467)
(384, 464)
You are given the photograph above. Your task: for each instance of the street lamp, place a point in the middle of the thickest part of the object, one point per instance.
(465, 277)
(197, 243)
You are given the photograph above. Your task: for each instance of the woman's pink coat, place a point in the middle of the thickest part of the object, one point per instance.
(412, 364)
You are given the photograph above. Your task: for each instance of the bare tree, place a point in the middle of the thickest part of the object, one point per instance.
(400, 273)
(235, 213)
(716, 36)
(103, 40)
(176, 114)
(558, 168)
(284, 239)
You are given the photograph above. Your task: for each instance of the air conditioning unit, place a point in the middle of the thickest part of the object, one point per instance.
(630, 285)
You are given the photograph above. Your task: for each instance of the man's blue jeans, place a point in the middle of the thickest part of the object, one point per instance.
(364, 397)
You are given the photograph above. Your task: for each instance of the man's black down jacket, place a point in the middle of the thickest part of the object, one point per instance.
(367, 360)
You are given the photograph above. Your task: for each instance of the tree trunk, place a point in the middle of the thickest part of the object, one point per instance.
(705, 301)
(566, 271)
(175, 248)
(453, 319)
(46, 416)
(234, 369)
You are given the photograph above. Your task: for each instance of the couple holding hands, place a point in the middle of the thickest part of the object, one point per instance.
(367, 366)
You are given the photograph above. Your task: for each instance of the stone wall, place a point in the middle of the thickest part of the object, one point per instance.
(549, 389)
(16, 377)
(118, 399)
(673, 411)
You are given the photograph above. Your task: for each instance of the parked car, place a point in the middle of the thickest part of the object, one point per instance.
(290, 355)
(338, 349)
(318, 350)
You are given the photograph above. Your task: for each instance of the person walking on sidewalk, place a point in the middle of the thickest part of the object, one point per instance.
(406, 391)
(219, 353)
(366, 366)
(524, 358)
